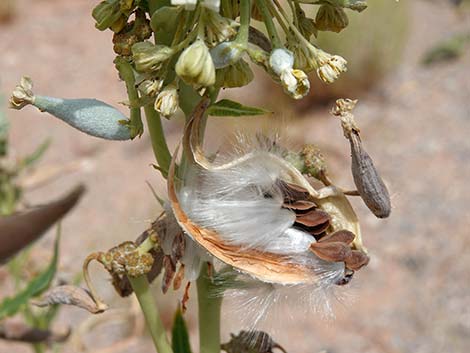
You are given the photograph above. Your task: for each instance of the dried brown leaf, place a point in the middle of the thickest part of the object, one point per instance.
(69, 295)
(22, 228)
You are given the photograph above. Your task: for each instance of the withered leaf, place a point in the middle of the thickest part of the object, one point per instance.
(170, 270)
(342, 236)
(69, 295)
(335, 251)
(178, 278)
(20, 229)
(185, 299)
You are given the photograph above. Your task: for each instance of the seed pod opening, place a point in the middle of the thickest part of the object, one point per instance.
(239, 212)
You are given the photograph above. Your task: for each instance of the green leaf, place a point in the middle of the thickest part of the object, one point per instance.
(180, 337)
(11, 305)
(227, 107)
(163, 23)
(29, 160)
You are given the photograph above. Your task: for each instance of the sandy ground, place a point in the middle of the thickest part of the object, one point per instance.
(413, 297)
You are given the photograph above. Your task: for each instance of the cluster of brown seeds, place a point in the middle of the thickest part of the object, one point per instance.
(336, 246)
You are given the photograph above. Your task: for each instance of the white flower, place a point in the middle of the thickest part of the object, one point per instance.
(330, 69)
(295, 82)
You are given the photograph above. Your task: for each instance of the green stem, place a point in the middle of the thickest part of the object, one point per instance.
(152, 316)
(154, 5)
(268, 22)
(127, 74)
(209, 314)
(157, 135)
(245, 14)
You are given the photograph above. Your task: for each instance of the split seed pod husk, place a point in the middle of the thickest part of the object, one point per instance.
(266, 266)
(369, 184)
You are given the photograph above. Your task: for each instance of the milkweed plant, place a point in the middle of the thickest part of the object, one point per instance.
(262, 223)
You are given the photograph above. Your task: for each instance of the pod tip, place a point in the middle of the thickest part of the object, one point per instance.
(22, 95)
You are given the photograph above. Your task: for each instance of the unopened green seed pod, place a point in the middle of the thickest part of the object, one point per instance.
(90, 116)
(331, 18)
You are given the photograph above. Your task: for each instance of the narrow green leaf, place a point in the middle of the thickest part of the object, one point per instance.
(29, 160)
(11, 305)
(180, 338)
(227, 107)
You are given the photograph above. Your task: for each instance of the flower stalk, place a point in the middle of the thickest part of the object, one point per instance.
(141, 288)
(209, 306)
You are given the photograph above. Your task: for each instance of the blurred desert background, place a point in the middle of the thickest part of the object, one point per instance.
(414, 297)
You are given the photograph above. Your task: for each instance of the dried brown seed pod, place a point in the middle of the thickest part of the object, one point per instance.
(268, 263)
(369, 184)
(368, 181)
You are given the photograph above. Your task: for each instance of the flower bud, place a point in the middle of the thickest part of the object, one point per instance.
(90, 116)
(106, 13)
(195, 65)
(149, 57)
(281, 60)
(236, 75)
(167, 101)
(331, 18)
(150, 88)
(295, 83)
(226, 53)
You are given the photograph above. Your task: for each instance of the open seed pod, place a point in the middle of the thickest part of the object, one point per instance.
(260, 215)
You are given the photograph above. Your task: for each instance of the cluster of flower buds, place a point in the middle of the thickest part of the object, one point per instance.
(205, 44)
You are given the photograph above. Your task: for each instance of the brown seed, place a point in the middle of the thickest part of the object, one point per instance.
(342, 236)
(356, 260)
(313, 218)
(293, 192)
(300, 205)
(368, 181)
(69, 295)
(334, 252)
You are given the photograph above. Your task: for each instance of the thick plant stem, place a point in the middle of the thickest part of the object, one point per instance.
(152, 316)
(209, 314)
(157, 135)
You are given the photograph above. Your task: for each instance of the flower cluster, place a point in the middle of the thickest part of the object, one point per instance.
(205, 44)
